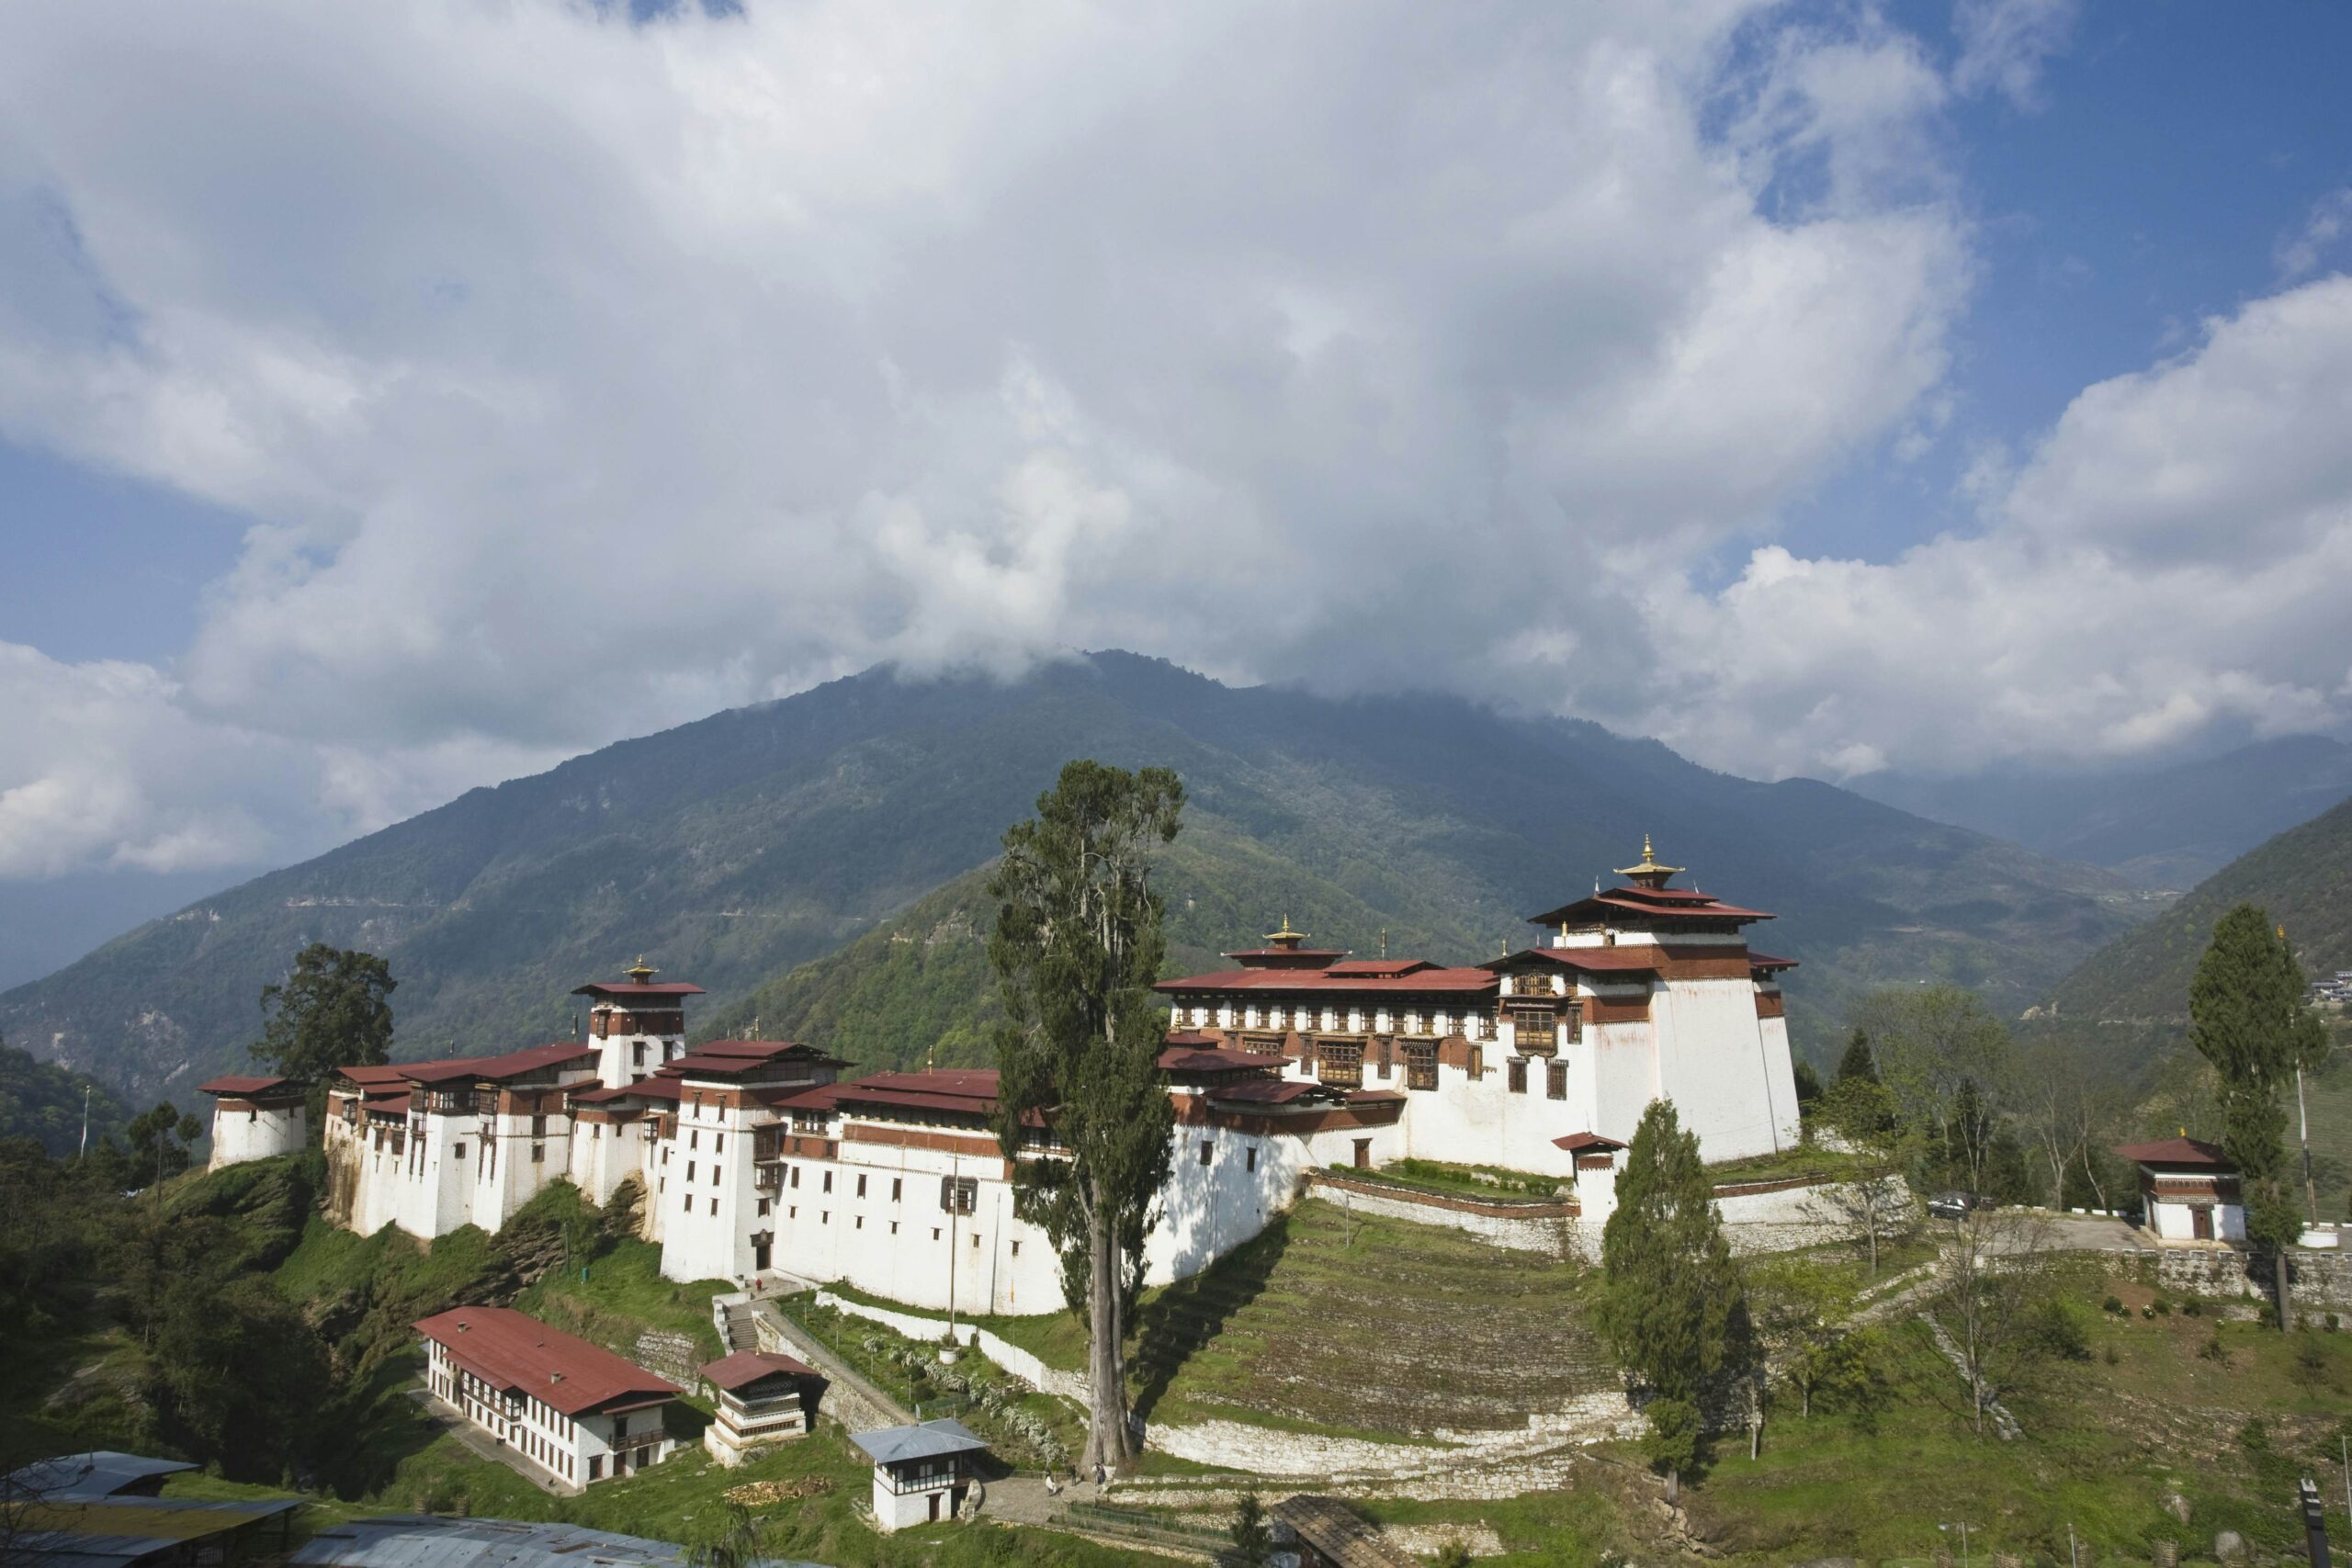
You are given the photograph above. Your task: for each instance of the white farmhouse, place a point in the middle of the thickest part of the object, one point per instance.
(921, 1474)
(575, 1412)
(255, 1118)
(2188, 1191)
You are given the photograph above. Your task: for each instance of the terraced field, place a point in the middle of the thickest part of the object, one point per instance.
(1370, 1327)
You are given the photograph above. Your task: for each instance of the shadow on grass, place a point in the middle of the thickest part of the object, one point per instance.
(389, 1425)
(1186, 1316)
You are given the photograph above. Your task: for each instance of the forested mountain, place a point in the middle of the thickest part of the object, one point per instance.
(2167, 828)
(40, 1099)
(733, 848)
(2303, 877)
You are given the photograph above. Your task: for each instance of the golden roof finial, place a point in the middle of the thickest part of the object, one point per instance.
(1285, 937)
(1650, 865)
(640, 971)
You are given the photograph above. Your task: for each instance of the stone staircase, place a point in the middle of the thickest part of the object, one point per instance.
(737, 1328)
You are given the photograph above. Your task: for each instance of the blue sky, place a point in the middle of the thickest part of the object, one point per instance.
(396, 399)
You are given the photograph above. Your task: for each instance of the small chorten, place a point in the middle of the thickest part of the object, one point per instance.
(1285, 940)
(1649, 874)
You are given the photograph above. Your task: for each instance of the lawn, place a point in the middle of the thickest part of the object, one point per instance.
(621, 1295)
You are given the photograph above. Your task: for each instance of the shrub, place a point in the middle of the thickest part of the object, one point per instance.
(2111, 1357)
(2307, 1352)
(2112, 1306)
(2211, 1349)
(2058, 1329)
(2162, 1307)
(2331, 1323)
(2191, 1309)
(2149, 1312)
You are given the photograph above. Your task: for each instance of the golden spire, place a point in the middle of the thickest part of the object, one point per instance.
(640, 971)
(1650, 865)
(1285, 937)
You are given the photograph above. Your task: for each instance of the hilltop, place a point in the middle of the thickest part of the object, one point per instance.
(732, 850)
(2302, 877)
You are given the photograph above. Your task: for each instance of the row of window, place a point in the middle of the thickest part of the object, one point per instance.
(1555, 1078)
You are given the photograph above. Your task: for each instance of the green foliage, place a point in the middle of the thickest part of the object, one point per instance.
(1808, 1084)
(1674, 1308)
(1454, 1554)
(161, 1142)
(1077, 946)
(738, 1541)
(1671, 1441)
(238, 1375)
(2248, 1019)
(1857, 1063)
(40, 1099)
(334, 1010)
(1253, 1539)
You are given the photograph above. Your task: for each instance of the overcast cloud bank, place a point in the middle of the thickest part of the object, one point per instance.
(584, 378)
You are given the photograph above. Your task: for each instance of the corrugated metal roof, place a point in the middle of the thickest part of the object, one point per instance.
(419, 1540)
(933, 1439)
(97, 1473)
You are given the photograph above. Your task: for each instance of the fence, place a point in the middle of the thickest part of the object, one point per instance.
(1137, 1524)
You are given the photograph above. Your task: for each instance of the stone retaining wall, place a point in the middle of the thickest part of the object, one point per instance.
(1003, 1353)
(1546, 1225)
(673, 1356)
(848, 1398)
(2320, 1280)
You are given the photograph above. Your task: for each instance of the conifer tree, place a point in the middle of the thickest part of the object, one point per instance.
(1856, 1063)
(1077, 946)
(2248, 1018)
(1674, 1308)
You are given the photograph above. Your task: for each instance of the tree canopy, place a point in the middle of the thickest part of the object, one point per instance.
(1674, 1307)
(334, 1010)
(1077, 945)
(2248, 1018)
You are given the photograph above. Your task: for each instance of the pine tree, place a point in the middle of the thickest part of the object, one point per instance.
(2248, 1018)
(1673, 1307)
(1253, 1539)
(1077, 946)
(1857, 1063)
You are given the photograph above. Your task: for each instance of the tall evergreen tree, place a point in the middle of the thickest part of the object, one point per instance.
(334, 1010)
(1674, 1307)
(1857, 1063)
(2248, 1018)
(1077, 946)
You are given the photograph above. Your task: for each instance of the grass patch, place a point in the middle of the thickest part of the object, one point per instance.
(622, 1295)
(1059, 1337)
(1805, 1160)
(1462, 1180)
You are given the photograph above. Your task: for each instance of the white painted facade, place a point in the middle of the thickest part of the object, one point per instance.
(254, 1119)
(574, 1450)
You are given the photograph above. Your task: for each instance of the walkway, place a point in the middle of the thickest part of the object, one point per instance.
(440, 1413)
(884, 1410)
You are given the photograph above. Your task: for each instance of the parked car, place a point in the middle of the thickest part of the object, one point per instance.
(1953, 1205)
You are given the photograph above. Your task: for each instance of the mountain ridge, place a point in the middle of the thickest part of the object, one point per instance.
(736, 847)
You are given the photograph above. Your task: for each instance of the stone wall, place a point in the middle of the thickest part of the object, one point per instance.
(673, 1356)
(1776, 1216)
(1003, 1353)
(847, 1399)
(1545, 1226)
(2320, 1280)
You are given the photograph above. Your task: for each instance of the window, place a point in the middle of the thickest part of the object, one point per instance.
(690, 1202)
(1555, 1080)
(714, 1208)
(1206, 1149)
(1532, 1026)
(1340, 1063)
(796, 1179)
(934, 1232)
(861, 1187)
(460, 1151)
(595, 1467)
(538, 1154)
(894, 1227)
(1420, 1064)
(637, 1055)
(764, 1206)
(793, 1212)
(829, 1181)
(1518, 1075)
(860, 1225)
(1016, 1249)
(1250, 1162)
(693, 1139)
(718, 1143)
(825, 1218)
(896, 1183)
(538, 1127)
(690, 1170)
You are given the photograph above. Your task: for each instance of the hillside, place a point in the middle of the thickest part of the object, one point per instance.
(2161, 828)
(42, 1101)
(2303, 877)
(733, 848)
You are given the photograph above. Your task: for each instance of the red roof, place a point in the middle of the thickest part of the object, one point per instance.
(366, 1077)
(509, 1349)
(738, 1058)
(799, 1097)
(963, 1091)
(1680, 903)
(1427, 977)
(745, 1368)
(1592, 959)
(514, 1064)
(1766, 961)
(2176, 1151)
(1274, 1091)
(243, 1087)
(1379, 967)
(1217, 1059)
(1576, 1143)
(632, 988)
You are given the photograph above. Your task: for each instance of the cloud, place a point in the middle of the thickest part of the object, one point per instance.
(2005, 43)
(2170, 556)
(582, 377)
(2329, 220)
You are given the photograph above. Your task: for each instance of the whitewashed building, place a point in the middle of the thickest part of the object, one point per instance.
(574, 1411)
(1639, 993)
(922, 1473)
(2188, 1191)
(759, 1399)
(255, 1118)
